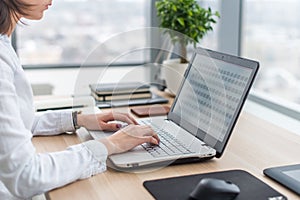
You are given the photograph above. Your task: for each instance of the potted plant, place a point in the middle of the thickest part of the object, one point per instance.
(186, 22)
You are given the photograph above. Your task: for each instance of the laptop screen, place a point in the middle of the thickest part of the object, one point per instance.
(211, 96)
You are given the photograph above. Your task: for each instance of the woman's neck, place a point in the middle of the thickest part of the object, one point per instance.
(13, 26)
(10, 32)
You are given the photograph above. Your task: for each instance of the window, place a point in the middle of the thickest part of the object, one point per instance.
(71, 29)
(271, 35)
(210, 40)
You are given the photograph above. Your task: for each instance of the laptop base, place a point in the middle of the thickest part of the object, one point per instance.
(190, 160)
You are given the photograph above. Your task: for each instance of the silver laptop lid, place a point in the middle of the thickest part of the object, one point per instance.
(212, 93)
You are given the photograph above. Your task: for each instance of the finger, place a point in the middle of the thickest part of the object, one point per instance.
(111, 126)
(156, 137)
(150, 132)
(124, 118)
(111, 116)
(148, 129)
(151, 139)
(132, 119)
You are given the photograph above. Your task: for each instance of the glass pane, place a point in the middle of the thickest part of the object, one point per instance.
(71, 29)
(210, 40)
(271, 35)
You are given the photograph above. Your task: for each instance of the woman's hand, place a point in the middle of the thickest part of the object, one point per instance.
(100, 121)
(128, 138)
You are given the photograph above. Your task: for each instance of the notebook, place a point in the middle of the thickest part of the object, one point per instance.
(109, 95)
(119, 88)
(154, 99)
(203, 115)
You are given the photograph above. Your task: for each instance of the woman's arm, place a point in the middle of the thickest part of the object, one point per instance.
(24, 172)
(52, 123)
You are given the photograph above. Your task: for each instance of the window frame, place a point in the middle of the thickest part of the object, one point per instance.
(280, 105)
(151, 21)
(230, 41)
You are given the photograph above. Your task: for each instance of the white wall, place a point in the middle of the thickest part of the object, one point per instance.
(70, 81)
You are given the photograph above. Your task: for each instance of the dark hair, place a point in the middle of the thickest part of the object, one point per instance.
(9, 10)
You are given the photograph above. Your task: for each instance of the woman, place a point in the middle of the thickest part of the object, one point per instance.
(23, 172)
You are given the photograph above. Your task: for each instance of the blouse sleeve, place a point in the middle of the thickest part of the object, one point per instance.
(52, 123)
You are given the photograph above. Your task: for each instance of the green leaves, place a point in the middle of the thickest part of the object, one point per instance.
(186, 17)
(181, 21)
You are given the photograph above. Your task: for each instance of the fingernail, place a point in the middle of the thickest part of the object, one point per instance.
(119, 125)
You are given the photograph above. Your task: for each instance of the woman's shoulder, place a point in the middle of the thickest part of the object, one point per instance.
(7, 58)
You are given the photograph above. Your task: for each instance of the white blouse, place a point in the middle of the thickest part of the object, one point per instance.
(23, 172)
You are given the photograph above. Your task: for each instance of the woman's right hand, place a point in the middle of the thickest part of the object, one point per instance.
(128, 138)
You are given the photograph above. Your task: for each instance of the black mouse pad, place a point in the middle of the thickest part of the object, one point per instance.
(180, 187)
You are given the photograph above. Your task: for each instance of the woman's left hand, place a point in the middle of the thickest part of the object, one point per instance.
(100, 121)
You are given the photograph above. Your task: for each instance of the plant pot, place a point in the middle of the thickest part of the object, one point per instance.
(172, 72)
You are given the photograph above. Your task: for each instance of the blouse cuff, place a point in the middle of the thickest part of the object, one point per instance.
(98, 149)
(66, 121)
(98, 160)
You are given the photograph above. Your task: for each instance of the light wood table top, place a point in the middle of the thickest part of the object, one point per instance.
(254, 145)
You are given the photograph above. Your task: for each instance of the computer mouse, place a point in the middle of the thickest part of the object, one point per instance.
(215, 189)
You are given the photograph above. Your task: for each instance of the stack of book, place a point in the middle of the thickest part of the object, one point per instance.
(120, 91)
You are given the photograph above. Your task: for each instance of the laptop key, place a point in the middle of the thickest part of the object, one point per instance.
(164, 148)
(154, 150)
(169, 145)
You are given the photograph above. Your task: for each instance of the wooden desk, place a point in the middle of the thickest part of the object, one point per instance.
(255, 144)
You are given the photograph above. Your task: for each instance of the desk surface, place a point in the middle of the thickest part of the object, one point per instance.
(254, 145)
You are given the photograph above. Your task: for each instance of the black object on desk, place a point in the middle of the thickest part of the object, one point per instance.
(119, 88)
(155, 99)
(288, 176)
(180, 187)
(120, 91)
(215, 189)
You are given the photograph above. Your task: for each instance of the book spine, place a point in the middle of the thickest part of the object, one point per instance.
(127, 96)
(121, 92)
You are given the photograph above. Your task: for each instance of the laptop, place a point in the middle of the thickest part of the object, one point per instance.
(203, 114)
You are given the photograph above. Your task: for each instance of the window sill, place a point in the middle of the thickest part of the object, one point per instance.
(281, 119)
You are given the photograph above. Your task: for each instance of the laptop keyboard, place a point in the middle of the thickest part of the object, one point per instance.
(168, 145)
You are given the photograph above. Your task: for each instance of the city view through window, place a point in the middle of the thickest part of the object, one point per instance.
(71, 29)
(271, 35)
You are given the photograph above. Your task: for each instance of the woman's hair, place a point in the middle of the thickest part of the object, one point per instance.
(9, 11)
